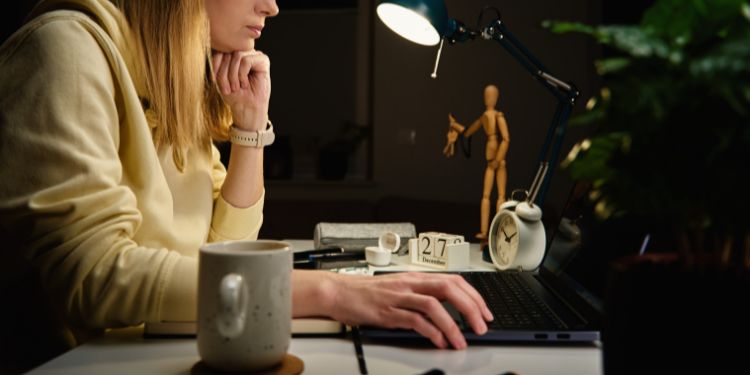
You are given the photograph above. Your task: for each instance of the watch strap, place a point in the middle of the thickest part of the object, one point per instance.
(246, 138)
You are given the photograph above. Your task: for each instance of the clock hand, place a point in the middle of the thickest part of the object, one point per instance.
(506, 234)
(508, 238)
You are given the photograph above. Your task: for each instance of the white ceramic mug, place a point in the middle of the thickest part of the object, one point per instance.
(244, 304)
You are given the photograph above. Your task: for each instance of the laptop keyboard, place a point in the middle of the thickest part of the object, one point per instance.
(512, 302)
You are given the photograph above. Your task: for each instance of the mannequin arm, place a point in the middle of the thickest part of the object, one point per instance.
(456, 127)
(476, 125)
(503, 128)
(453, 125)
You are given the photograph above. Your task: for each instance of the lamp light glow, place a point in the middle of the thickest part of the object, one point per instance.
(408, 24)
(423, 22)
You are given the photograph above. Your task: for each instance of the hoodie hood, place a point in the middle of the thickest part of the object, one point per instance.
(113, 22)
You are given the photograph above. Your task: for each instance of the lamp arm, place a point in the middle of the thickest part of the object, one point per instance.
(499, 32)
(565, 92)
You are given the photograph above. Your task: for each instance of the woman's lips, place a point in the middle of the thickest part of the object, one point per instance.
(255, 30)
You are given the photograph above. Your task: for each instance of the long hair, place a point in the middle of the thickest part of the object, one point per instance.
(186, 107)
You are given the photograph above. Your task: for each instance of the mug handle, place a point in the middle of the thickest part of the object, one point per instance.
(233, 298)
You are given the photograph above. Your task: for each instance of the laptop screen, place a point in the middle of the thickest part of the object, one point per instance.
(582, 246)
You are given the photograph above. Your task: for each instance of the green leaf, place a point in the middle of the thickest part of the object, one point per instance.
(734, 101)
(612, 65)
(689, 21)
(567, 27)
(634, 41)
(589, 117)
(731, 57)
(631, 39)
(593, 163)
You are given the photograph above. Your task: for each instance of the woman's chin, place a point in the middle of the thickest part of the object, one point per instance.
(243, 45)
(246, 44)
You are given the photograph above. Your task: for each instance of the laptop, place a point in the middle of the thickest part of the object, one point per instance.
(561, 301)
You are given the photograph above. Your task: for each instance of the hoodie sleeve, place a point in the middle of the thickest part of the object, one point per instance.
(230, 222)
(61, 197)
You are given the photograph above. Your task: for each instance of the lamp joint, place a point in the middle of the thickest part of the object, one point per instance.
(488, 32)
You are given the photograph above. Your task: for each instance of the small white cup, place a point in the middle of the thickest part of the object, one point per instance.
(244, 304)
(377, 256)
(388, 243)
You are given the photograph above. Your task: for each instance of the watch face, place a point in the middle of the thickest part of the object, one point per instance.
(507, 240)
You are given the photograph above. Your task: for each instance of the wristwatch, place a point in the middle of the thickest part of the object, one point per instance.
(259, 139)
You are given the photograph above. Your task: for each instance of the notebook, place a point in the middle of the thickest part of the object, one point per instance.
(300, 328)
(559, 302)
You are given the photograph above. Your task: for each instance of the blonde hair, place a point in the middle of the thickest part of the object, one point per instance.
(186, 106)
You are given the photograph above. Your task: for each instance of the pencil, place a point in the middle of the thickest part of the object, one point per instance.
(358, 349)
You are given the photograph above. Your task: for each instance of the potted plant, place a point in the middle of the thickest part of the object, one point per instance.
(672, 147)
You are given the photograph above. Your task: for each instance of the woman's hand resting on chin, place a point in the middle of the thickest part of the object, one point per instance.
(244, 79)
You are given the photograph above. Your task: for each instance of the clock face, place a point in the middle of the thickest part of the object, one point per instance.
(507, 240)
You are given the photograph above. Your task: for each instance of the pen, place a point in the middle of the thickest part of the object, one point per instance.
(305, 254)
(312, 258)
(308, 259)
(322, 250)
(337, 256)
(359, 351)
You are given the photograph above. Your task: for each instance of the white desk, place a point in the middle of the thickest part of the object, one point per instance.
(126, 352)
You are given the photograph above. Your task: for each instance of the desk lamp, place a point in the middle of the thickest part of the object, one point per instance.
(426, 22)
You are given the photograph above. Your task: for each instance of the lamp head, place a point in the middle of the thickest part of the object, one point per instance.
(421, 21)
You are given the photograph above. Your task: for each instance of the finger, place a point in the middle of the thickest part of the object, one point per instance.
(411, 320)
(221, 75)
(216, 58)
(234, 68)
(245, 68)
(445, 287)
(473, 308)
(432, 308)
(468, 289)
(474, 294)
(259, 61)
(255, 52)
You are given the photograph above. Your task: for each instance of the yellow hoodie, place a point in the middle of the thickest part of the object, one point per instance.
(97, 227)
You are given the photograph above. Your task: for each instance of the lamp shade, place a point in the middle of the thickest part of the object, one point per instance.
(422, 21)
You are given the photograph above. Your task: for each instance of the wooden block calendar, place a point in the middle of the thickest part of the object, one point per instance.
(439, 250)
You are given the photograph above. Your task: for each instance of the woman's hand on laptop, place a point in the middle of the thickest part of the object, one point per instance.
(409, 301)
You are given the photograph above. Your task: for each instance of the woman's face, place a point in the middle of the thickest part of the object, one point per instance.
(235, 24)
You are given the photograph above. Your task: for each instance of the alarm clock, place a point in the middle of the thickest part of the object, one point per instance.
(516, 236)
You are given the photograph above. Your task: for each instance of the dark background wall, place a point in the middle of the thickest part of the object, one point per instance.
(12, 15)
(335, 63)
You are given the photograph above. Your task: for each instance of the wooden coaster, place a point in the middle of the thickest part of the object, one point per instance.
(290, 365)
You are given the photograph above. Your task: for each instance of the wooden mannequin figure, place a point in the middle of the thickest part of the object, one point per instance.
(493, 122)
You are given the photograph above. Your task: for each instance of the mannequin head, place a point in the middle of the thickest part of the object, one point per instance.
(491, 94)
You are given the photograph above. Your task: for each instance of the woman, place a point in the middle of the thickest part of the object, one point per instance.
(110, 183)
